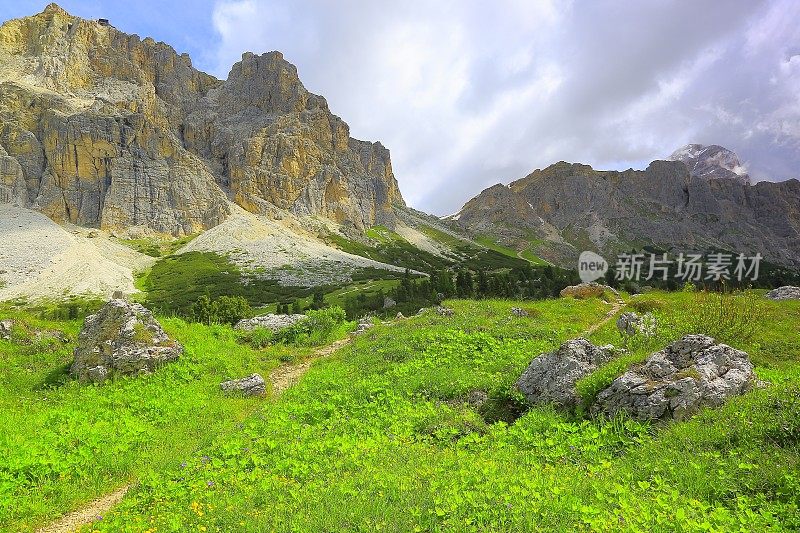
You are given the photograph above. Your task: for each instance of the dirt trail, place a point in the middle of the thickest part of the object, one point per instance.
(285, 376)
(281, 378)
(615, 308)
(82, 517)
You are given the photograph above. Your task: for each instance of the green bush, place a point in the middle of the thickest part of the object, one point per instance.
(223, 310)
(315, 329)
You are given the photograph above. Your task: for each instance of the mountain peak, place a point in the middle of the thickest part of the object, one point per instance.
(711, 162)
(54, 8)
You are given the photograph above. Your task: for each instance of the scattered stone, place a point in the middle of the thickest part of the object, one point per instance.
(388, 303)
(582, 291)
(517, 311)
(628, 324)
(271, 322)
(363, 325)
(122, 338)
(787, 292)
(399, 315)
(444, 311)
(252, 385)
(5, 329)
(551, 377)
(675, 383)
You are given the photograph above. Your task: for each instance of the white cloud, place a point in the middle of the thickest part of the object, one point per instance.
(467, 93)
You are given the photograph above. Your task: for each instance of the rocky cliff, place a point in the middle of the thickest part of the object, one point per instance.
(566, 208)
(101, 128)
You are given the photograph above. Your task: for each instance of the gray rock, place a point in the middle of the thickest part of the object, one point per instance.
(628, 323)
(363, 325)
(550, 378)
(444, 311)
(270, 321)
(252, 385)
(691, 373)
(122, 338)
(5, 329)
(517, 311)
(787, 292)
(400, 315)
(388, 303)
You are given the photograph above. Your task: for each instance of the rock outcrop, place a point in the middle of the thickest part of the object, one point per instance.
(582, 291)
(101, 128)
(121, 339)
(551, 377)
(787, 292)
(252, 385)
(676, 382)
(274, 323)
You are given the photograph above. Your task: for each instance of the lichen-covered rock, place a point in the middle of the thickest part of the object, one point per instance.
(584, 290)
(122, 338)
(270, 321)
(252, 385)
(550, 378)
(675, 383)
(787, 292)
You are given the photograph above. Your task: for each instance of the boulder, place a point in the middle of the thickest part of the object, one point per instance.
(582, 291)
(5, 329)
(517, 311)
(676, 382)
(252, 385)
(388, 303)
(551, 377)
(400, 315)
(121, 338)
(628, 324)
(271, 322)
(787, 292)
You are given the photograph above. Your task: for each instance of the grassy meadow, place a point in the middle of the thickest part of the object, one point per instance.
(382, 436)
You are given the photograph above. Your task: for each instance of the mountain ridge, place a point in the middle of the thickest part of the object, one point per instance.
(104, 129)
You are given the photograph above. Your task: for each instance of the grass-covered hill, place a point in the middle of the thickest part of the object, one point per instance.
(382, 436)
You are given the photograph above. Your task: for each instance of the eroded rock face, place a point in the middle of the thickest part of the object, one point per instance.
(676, 382)
(121, 339)
(271, 322)
(787, 292)
(101, 128)
(551, 377)
(252, 385)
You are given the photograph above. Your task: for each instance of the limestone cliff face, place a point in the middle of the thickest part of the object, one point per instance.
(101, 128)
(568, 208)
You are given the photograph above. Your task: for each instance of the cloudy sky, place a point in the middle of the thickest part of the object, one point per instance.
(468, 93)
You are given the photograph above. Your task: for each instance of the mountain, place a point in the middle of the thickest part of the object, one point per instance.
(103, 129)
(561, 210)
(711, 162)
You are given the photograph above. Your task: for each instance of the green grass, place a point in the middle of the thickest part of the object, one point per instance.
(174, 283)
(62, 443)
(490, 243)
(156, 247)
(380, 437)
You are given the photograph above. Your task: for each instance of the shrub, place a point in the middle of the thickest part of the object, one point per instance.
(223, 310)
(647, 306)
(315, 329)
